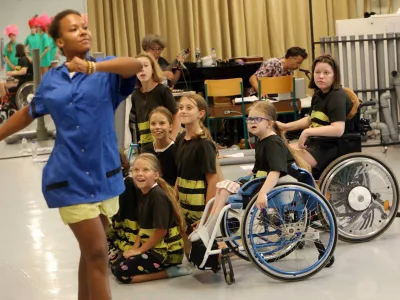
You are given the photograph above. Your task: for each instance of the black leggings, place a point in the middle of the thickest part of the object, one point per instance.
(125, 269)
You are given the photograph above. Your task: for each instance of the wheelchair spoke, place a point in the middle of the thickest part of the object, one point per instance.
(364, 195)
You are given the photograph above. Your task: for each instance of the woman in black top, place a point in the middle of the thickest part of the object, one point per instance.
(23, 71)
(329, 108)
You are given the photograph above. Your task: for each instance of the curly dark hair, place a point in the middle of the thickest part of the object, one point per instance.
(54, 28)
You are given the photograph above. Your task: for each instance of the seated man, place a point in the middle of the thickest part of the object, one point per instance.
(276, 67)
(23, 72)
(154, 45)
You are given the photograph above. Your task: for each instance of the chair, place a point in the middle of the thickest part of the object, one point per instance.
(226, 88)
(278, 85)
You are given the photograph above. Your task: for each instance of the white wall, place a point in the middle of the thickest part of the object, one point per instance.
(20, 11)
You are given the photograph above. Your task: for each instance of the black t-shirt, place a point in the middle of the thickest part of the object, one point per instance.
(24, 62)
(163, 63)
(155, 210)
(144, 103)
(194, 158)
(330, 107)
(272, 155)
(167, 160)
(327, 108)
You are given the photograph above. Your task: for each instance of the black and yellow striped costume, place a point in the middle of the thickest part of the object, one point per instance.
(195, 158)
(154, 211)
(124, 227)
(327, 108)
(144, 103)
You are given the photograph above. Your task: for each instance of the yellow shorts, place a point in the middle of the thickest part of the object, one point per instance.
(80, 212)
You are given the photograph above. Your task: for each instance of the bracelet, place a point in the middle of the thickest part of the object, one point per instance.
(89, 67)
(94, 67)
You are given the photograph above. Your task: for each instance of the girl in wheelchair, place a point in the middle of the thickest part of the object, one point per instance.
(329, 107)
(273, 159)
(23, 73)
(158, 247)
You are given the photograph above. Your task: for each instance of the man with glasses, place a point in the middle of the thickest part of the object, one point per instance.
(154, 44)
(276, 67)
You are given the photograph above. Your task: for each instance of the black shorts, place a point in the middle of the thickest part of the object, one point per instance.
(323, 154)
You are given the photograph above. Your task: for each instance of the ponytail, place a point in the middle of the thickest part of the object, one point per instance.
(206, 134)
(300, 162)
(180, 221)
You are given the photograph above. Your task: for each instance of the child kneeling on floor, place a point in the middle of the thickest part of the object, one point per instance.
(158, 249)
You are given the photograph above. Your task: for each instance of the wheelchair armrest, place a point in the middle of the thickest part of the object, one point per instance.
(367, 103)
(347, 136)
(250, 187)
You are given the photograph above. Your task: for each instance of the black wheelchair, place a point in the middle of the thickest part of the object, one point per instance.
(362, 190)
(19, 96)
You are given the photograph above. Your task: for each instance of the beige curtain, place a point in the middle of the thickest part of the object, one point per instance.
(233, 27)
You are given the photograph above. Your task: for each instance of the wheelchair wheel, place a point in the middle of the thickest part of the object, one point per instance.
(272, 236)
(364, 194)
(24, 94)
(230, 231)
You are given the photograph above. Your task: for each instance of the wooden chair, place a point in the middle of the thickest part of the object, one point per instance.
(278, 85)
(226, 88)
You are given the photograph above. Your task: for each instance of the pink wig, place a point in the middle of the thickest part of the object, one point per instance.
(32, 22)
(43, 21)
(85, 18)
(11, 29)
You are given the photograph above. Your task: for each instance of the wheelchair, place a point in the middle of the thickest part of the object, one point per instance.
(20, 96)
(363, 191)
(285, 241)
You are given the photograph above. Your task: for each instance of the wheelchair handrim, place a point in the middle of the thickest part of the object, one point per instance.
(272, 270)
(362, 160)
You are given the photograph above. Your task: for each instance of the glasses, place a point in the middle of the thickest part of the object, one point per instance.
(256, 119)
(157, 49)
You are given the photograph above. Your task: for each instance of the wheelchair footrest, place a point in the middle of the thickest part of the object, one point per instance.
(227, 266)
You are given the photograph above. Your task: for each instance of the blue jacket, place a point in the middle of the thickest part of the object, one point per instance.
(84, 166)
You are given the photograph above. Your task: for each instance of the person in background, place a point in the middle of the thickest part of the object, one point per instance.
(9, 50)
(32, 41)
(149, 94)
(154, 44)
(276, 67)
(23, 71)
(42, 22)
